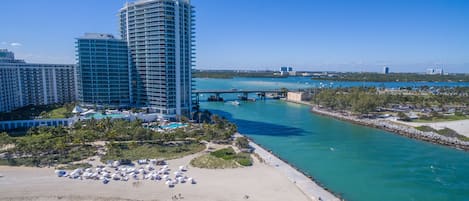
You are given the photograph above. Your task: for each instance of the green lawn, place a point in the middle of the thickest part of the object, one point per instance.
(151, 151)
(38, 111)
(223, 158)
(57, 113)
(74, 154)
(212, 162)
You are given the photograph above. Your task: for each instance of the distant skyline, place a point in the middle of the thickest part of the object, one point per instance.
(314, 35)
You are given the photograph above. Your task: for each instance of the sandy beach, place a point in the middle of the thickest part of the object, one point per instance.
(259, 182)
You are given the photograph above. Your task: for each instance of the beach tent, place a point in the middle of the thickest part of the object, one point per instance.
(60, 173)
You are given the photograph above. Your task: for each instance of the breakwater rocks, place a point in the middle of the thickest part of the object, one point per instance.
(397, 128)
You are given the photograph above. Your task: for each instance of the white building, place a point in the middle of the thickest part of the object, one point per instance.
(160, 37)
(24, 83)
(435, 71)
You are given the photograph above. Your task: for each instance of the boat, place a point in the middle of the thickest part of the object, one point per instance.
(235, 102)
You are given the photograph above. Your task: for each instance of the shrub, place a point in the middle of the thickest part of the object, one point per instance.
(226, 153)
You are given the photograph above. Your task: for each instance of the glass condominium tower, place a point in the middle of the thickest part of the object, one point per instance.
(103, 72)
(160, 38)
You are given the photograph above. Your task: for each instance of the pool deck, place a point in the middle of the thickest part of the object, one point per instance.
(305, 184)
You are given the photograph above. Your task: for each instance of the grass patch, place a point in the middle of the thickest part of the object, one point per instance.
(211, 162)
(244, 159)
(75, 166)
(146, 151)
(452, 133)
(61, 112)
(441, 119)
(223, 158)
(425, 129)
(74, 154)
(445, 132)
(42, 111)
(226, 153)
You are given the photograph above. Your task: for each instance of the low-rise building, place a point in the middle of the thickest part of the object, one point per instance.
(298, 96)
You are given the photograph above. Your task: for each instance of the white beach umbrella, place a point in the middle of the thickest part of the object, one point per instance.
(181, 168)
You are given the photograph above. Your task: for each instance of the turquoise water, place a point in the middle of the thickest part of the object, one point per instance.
(102, 116)
(357, 162)
(173, 126)
(303, 82)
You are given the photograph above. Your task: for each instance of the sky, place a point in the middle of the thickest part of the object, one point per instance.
(314, 35)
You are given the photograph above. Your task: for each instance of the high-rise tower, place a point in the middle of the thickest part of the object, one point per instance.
(103, 72)
(160, 37)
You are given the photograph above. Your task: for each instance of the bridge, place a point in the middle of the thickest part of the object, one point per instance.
(225, 91)
(261, 93)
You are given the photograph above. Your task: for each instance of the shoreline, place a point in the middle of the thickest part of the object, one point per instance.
(400, 129)
(305, 183)
(260, 182)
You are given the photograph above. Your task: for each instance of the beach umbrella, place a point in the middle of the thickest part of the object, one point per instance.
(105, 181)
(60, 173)
(181, 168)
(181, 179)
(191, 180)
(166, 177)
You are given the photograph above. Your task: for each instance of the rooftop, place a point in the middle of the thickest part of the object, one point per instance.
(97, 36)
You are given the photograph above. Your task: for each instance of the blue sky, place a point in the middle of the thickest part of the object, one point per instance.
(340, 35)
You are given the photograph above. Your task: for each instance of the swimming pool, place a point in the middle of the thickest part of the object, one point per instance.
(173, 126)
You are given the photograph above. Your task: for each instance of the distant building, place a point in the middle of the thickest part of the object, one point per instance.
(284, 70)
(298, 96)
(306, 74)
(103, 71)
(385, 70)
(24, 83)
(433, 71)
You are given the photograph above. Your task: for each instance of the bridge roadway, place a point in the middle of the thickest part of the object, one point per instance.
(225, 91)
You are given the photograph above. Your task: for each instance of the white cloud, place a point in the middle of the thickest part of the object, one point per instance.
(15, 44)
(4, 43)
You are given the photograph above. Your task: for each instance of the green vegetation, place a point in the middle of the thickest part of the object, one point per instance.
(223, 158)
(211, 162)
(446, 132)
(73, 166)
(437, 117)
(363, 100)
(425, 129)
(396, 77)
(130, 151)
(232, 74)
(49, 146)
(242, 143)
(358, 100)
(39, 112)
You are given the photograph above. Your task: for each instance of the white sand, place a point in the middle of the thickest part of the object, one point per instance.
(460, 126)
(259, 182)
(310, 188)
